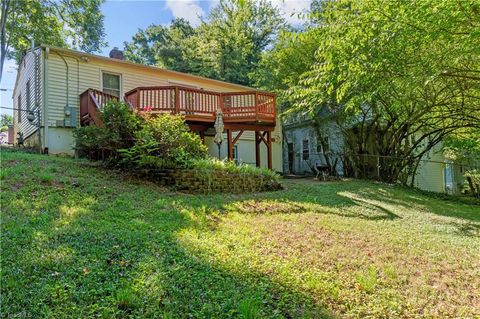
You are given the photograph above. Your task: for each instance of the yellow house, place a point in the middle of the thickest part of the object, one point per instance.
(58, 89)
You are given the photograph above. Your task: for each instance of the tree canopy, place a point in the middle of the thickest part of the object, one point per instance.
(5, 121)
(228, 45)
(403, 74)
(161, 45)
(76, 24)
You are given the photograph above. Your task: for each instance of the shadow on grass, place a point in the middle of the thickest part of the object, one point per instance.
(85, 244)
(102, 249)
(363, 200)
(339, 199)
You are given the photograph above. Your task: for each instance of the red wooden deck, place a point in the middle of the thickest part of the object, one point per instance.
(201, 106)
(242, 111)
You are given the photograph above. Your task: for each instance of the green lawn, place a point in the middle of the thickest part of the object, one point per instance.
(82, 242)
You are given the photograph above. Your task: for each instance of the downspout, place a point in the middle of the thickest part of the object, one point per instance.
(45, 97)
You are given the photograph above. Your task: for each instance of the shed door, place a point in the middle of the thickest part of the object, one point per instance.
(290, 157)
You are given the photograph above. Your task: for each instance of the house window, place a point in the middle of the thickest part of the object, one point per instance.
(19, 108)
(306, 151)
(27, 93)
(111, 84)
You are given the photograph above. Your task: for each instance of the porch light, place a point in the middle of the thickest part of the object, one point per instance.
(219, 127)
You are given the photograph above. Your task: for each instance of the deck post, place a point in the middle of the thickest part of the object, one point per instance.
(229, 144)
(256, 106)
(138, 98)
(221, 103)
(177, 100)
(257, 148)
(269, 149)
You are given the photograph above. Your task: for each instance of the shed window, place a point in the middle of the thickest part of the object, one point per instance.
(321, 149)
(235, 154)
(306, 151)
(111, 84)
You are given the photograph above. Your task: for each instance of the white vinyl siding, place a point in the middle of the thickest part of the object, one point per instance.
(83, 75)
(27, 94)
(60, 92)
(19, 108)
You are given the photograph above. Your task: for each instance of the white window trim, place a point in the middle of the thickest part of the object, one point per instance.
(112, 73)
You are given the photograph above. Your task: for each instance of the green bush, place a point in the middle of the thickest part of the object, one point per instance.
(472, 178)
(243, 173)
(91, 139)
(120, 123)
(207, 164)
(139, 141)
(164, 141)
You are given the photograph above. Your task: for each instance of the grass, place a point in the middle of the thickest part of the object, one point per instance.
(81, 242)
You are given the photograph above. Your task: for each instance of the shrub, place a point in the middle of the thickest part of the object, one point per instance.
(243, 174)
(120, 125)
(164, 141)
(90, 139)
(231, 167)
(121, 122)
(472, 178)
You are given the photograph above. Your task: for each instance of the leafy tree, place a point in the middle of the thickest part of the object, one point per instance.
(5, 120)
(464, 147)
(66, 23)
(227, 46)
(230, 44)
(398, 76)
(161, 46)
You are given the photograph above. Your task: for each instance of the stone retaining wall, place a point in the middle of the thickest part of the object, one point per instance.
(211, 181)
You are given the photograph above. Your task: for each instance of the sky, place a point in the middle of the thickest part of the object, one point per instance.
(124, 18)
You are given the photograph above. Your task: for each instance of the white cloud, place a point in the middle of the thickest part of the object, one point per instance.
(189, 10)
(291, 8)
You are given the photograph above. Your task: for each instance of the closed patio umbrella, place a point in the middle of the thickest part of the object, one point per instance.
(219, 127)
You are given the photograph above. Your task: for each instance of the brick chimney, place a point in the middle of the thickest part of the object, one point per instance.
(116, 54)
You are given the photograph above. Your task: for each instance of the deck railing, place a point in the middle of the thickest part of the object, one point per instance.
(202, 105)
(91, 102)
(194, 104)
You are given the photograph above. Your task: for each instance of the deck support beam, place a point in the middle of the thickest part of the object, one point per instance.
(269, 150)
(237, 137)
(257, 148)
(266, 138)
